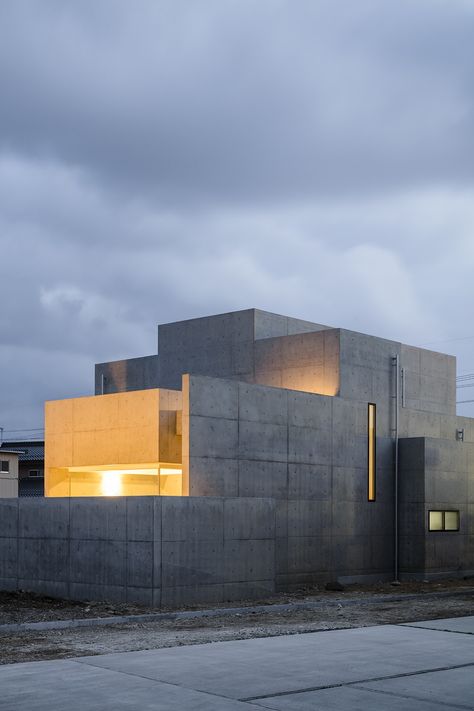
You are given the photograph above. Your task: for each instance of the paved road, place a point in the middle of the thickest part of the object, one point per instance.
(424, 666)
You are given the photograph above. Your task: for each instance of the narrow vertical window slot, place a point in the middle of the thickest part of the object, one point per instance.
(372, 416)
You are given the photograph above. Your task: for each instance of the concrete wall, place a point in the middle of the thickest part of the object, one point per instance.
(130, 374)
(436, 474)
(307, 451)
(308, 362)
(162, 551)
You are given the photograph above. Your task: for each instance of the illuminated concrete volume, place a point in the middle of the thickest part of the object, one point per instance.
(352, 441)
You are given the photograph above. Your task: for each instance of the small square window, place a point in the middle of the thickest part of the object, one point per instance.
(443, 520)
(5, 465)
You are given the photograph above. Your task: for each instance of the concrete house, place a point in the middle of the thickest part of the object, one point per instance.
(254, 453)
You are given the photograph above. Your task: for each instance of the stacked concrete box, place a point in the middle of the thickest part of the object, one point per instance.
(161, 551)
(221, 346)
(436, 475)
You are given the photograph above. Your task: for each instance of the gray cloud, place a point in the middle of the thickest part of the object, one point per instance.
(161, 160)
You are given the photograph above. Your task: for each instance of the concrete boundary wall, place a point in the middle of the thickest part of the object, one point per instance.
(161, 551)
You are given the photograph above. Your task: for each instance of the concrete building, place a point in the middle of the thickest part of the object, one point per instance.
(255, 453)
(8, 473)
(30, 465)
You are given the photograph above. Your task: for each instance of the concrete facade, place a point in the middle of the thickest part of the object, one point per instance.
(268, 419)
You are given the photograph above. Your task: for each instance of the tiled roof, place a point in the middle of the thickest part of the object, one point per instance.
(33, 452)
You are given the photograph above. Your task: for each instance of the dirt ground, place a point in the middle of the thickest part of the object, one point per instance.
(356, 606)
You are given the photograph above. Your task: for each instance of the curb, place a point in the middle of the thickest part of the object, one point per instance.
(223, 611)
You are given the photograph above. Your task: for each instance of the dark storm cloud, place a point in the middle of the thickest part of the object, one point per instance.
(162, 160)
(242, 100)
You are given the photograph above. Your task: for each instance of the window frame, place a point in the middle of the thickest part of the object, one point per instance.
(5, 466)
(371, 453)
(443, 513)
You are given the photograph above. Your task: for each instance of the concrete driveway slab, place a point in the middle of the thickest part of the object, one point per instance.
(67, 685)
(388, 667)
(464, 625)
(350, 698)
(269, 666)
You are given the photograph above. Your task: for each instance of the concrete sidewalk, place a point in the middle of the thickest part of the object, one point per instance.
(425, 666)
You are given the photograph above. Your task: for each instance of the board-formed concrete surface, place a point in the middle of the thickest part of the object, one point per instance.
(399, 667)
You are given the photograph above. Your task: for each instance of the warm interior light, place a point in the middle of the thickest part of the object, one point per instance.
(169, 472)
(111, 483)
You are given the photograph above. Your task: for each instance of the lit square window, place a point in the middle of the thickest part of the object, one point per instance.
(436, 521)
(451, 520)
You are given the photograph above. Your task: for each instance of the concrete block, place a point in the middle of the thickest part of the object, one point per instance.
(211, 397)
(246, 518)
(98, 518)
(258, 403)
(213, 477)
(140, 514)
(8, 557)
(262, 479)
(100, 593)
(307, 445)
(43, 559)
(253, 590)
(212, 437)
(8, 518)
(178, 596)
(98, 563)
(309, 518)
(191, 563)
(309, 481)
(192, 518)
(247, 560)
(310, 410)
(43, 518)
(140, 564)
(263, 441)
(310, 554)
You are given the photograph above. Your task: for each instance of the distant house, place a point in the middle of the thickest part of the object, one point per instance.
(8, 473)
(30, 465)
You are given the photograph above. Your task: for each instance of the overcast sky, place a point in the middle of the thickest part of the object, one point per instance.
(165, 160)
